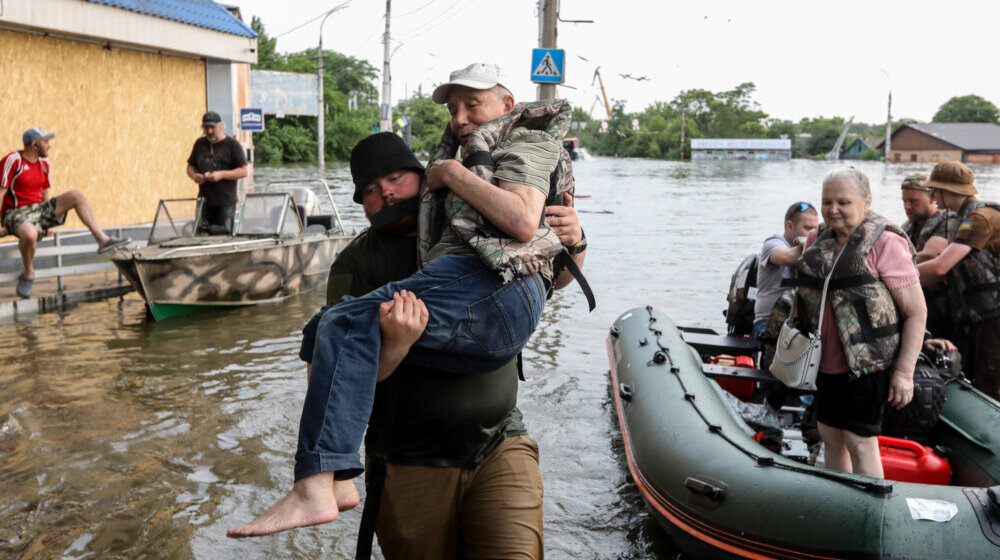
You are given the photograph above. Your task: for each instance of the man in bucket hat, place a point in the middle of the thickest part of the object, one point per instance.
(29, 210)
(971, 265)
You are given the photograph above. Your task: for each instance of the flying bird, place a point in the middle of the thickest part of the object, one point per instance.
(631, 77)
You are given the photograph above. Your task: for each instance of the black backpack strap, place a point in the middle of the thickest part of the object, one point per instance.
(375, 478)
(564, 259)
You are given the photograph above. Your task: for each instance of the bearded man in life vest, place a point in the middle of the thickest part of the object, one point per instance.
(929, 227)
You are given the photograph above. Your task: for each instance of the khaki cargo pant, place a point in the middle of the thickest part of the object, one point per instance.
(493, 511)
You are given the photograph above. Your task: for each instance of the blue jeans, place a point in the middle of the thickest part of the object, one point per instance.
(758, 331)
(476, 324)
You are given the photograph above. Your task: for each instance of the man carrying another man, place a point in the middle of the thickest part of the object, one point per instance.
(215, 164)
(28, 208)
(439, 445)
(464, 470)
(971, 264)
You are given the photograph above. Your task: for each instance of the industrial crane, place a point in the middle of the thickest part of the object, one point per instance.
(597, 76)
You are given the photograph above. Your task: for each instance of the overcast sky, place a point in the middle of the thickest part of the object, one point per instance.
(807, 58)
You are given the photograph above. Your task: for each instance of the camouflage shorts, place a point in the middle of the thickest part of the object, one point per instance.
(43, 215)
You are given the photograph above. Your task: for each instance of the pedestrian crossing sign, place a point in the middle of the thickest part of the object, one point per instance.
(548, 66)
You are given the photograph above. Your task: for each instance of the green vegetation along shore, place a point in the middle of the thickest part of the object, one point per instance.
(352, 105)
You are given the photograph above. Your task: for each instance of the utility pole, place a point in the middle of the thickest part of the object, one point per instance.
(547, 40)
(683, 108)
(888, 128)
(320, 106)
(385, 125)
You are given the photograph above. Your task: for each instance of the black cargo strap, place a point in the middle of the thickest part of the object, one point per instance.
(477, 158)
(375, 479)
(389, 214)
(869, 333)
(842, 283)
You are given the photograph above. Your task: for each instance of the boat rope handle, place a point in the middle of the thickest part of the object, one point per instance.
(881, 488)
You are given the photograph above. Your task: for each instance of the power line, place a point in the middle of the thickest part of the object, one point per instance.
(417, 10)
(447, 14)
(303, 24)
(364, 43)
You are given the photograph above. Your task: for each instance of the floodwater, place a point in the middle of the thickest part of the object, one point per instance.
(125, 438)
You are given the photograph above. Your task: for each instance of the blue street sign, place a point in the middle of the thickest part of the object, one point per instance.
(252, 119)
(548, 66)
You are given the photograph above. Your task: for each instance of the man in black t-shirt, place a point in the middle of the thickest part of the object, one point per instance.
(215, 164)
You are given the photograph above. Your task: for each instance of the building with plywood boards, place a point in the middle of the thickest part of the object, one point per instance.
(123, 85)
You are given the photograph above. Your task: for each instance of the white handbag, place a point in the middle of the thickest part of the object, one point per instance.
(796, 357)
(797, 354)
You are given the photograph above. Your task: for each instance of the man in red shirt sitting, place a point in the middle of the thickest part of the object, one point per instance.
(28, 209)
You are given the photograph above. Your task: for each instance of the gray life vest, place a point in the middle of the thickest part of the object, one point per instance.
(942, 224)
(974, 283)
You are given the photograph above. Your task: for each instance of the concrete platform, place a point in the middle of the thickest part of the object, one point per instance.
(46, 298)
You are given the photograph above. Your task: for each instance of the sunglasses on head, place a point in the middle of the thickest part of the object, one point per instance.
(803, 206)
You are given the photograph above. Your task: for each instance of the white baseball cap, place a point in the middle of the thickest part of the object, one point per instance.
(476, 76)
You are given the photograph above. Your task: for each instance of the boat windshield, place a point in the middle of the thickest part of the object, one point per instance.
(175, 218)
(268, 214)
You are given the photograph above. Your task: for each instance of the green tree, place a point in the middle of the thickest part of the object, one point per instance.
(267, 54)
(427, 121)
(968, 108)
(823, 134)
(347, 82)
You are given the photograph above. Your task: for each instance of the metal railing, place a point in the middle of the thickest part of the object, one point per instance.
(66, 252)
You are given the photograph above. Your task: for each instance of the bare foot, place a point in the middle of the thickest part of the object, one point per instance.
(347, 494)
(312, 501)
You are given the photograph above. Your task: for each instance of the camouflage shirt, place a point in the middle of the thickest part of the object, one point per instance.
(941, 224)
(518, 146)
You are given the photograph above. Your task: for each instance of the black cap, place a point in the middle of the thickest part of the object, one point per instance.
(378, 154)
(210, 118)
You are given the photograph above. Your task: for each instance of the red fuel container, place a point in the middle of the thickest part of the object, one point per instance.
(742, 388)
(908, 461)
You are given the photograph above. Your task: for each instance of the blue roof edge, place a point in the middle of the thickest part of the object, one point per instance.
(199, 13)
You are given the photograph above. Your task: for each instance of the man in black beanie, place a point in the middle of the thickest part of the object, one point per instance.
(431, 429)
(434, 436)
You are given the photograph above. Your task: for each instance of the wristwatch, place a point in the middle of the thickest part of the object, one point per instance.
(580, 245)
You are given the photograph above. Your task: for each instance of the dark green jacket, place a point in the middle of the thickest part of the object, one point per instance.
(423, 416)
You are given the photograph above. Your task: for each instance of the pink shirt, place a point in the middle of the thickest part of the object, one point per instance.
(889, 261)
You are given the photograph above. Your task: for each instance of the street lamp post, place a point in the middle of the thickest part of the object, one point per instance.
(321, 136)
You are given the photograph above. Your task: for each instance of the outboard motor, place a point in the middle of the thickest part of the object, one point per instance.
(742, 297)
(305, 200)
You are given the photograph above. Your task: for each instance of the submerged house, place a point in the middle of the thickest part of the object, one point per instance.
(123, 85)
(741, 148)
(859, 146)
(935, 142)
